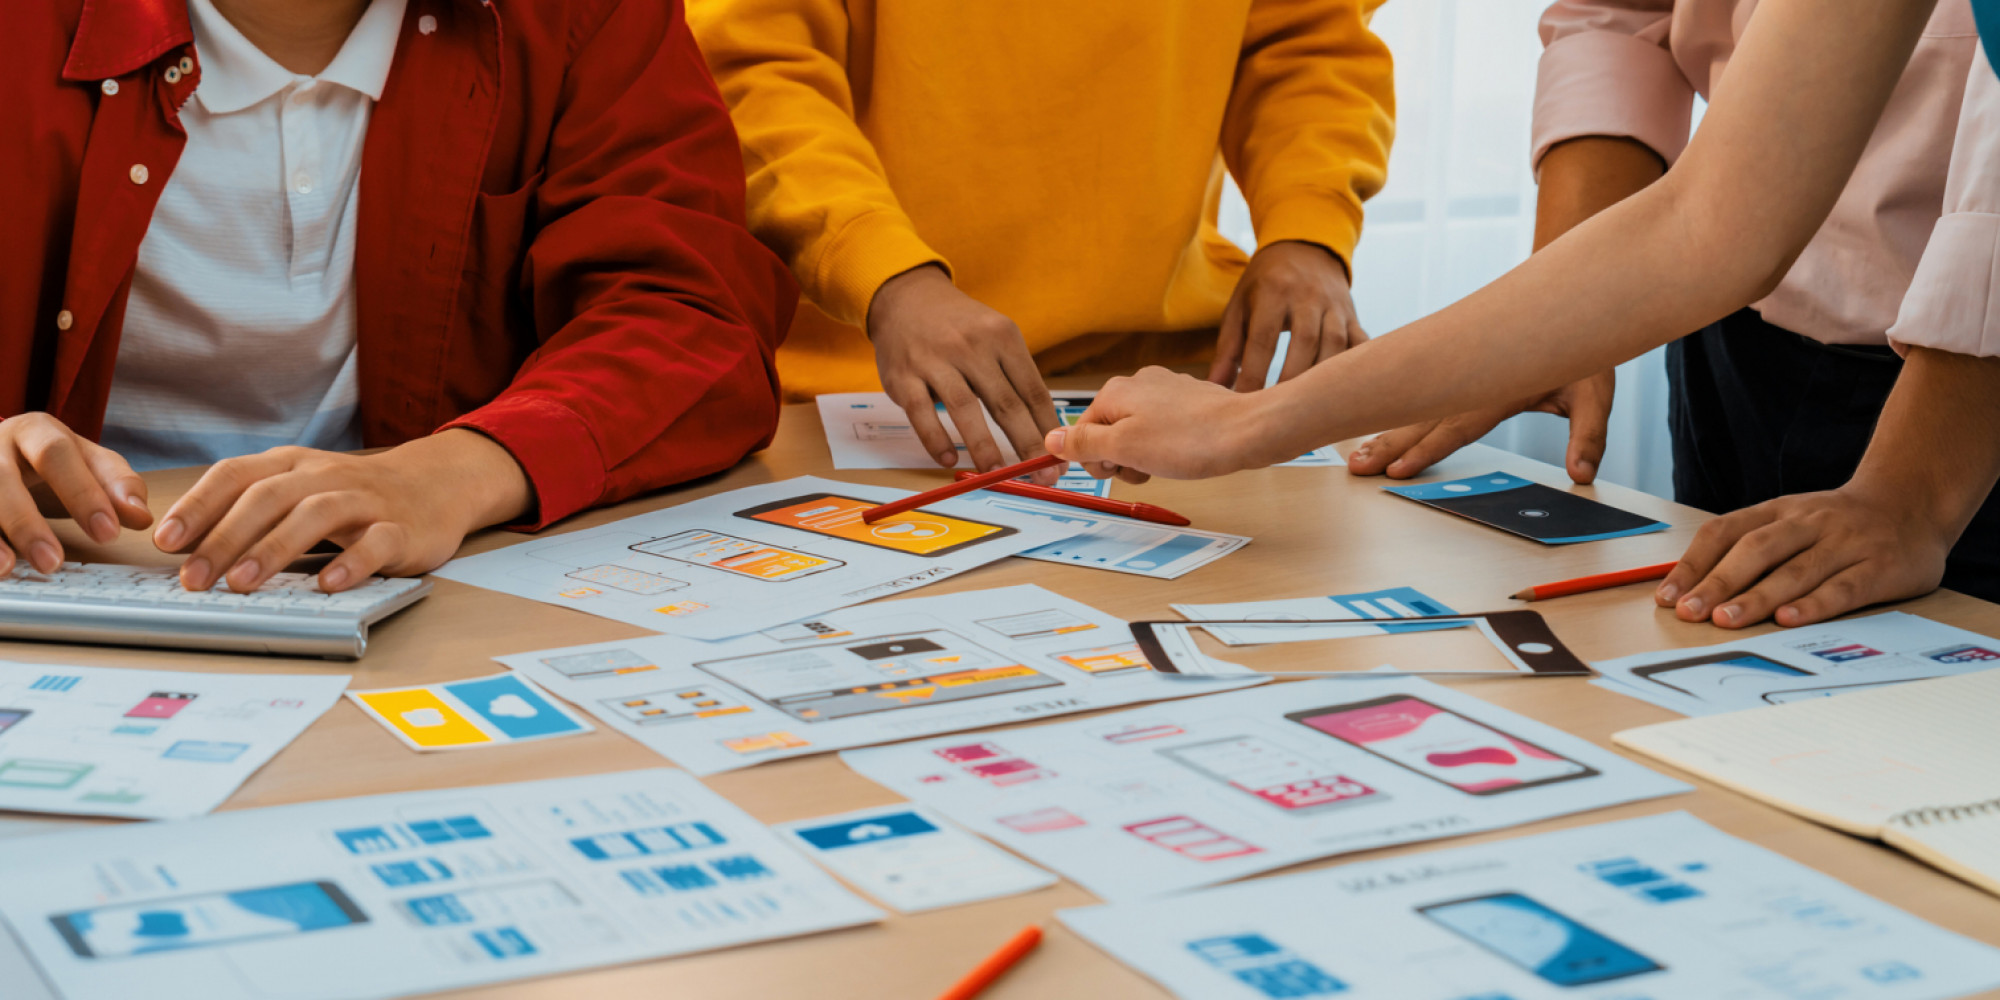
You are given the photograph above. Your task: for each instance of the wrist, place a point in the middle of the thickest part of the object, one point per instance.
(474, 481)
(1266, 427)
(923, 278)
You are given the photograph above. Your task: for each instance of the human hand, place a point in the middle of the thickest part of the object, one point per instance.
(936, 344)
(400, 512)
(48, 470)
(1408, 451)
(1162, 423)
(1807, 558)
(1289, 285)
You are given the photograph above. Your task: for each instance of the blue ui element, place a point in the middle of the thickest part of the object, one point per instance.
(741, 868)
(504, 942)
(1643, 882)
(873, 829)
(513, 707)
(55, 682)
(1376, 605)
(1539, 940)
(206, 751)
(396, 874)
(653, 840)
(368, 840)
(1890, 972)
(444, 831)
(1265, 966)
(438, 911)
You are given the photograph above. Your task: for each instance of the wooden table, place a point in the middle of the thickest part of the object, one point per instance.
(1317, 531)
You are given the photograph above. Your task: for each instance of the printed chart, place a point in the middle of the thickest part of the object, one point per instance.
(1197, 792)
(870, 675)
(1664, 907)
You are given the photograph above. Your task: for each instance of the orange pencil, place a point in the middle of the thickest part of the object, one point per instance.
(996, 965)
(1602, 581)
(949, 490)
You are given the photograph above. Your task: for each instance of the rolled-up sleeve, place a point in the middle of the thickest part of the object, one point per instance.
(1606, 71)
(1954, 300)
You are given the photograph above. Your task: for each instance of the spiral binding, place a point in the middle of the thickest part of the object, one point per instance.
(1945, 814)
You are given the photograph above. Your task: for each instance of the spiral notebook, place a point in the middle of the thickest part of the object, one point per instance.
(1916, 766)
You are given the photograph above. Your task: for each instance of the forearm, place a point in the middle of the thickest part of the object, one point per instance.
(1936, 448)
(1710, 237)
(1583, 177)
(476, 481)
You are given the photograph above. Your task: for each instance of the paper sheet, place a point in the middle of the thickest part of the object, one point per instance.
(1531, 510)
(865, 430)
(877, 674)
(1118, 544)
(144, 744)
(912, 859)
(481, 712)
(1663, 907)
(1370, 606)
(1819, 661)
(412, 893)
(1197, 792)
(736, 562)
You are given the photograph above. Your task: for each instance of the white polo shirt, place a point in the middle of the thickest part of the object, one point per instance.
(240, 332)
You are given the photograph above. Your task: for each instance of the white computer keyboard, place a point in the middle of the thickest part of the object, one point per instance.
(147, 606)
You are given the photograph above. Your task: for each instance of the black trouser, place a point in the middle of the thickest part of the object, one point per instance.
(1758, 412)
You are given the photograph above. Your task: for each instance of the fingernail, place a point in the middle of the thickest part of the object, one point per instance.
(1787, 615)
(334, 578)
(45, 556)
(1668, 592)
(1588, 468)
(102, 527)
(947, 458)
(132, 500)
(194, 574)
(1361, 452)
(1694, 606)
(170, 534)
(1054, 441)
(1727, 614)
(244, 576)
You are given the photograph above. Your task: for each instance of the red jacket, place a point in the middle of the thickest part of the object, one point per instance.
(550, 247)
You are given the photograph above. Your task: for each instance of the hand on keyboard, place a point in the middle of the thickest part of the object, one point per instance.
(84, 480)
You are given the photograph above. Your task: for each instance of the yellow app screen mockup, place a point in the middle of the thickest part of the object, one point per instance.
(918, 532)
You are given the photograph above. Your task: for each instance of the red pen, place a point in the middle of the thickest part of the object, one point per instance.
(1137, 511)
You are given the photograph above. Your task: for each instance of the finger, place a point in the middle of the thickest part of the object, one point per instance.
(382, 544)
(196, 513)
(1305, 345)
(1710, 542)
(1229, 343)
(1447, 437)
(1338, 332)
(56, 455)
(1093, 444)
(962, 404)
(258, 509)
(1755, 554)
(1792, 579)
(1030, 411)
(1840, 593)
(1589, 426)
(1375, 454)
(25, 530)
(921, 411)
(1264, 321)
(127, 489)
(311, 520)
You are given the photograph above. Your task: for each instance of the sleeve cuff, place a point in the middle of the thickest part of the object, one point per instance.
(1605, 83)
(1954, 300)
(1327, 219)
(867, 252)
(555, 448)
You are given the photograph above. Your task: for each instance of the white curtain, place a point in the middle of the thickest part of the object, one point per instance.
(1459, 208)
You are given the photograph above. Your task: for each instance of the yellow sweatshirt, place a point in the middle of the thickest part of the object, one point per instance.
(1059, 157)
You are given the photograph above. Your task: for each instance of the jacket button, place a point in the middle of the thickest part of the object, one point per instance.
(187, 66)
(140, 174)
(64, 320)
(427, 25)
(173, 74)
(110, 88)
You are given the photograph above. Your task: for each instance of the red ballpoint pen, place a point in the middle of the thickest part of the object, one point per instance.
(1137, 511)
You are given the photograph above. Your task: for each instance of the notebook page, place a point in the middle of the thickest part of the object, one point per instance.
(1849, 762)
(1968, 846)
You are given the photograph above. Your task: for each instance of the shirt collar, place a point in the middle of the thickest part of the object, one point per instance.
(236, 74)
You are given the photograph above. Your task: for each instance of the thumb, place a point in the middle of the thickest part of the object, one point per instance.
(1085, 442)
(1589, 422)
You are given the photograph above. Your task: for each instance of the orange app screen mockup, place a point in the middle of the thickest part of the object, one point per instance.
(917, 532)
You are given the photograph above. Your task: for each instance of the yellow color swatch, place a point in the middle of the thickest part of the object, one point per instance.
(423, 719)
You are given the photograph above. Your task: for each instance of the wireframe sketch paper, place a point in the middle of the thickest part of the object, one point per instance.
(144, 744)
(912, 859)
(1196, 792)
(1664, 907)
(1819, 661)
(736, 562)
(1364, 608)
(479, 712)
(418, 892)
(861, 676)
(1529, 509)
(1118, 544)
